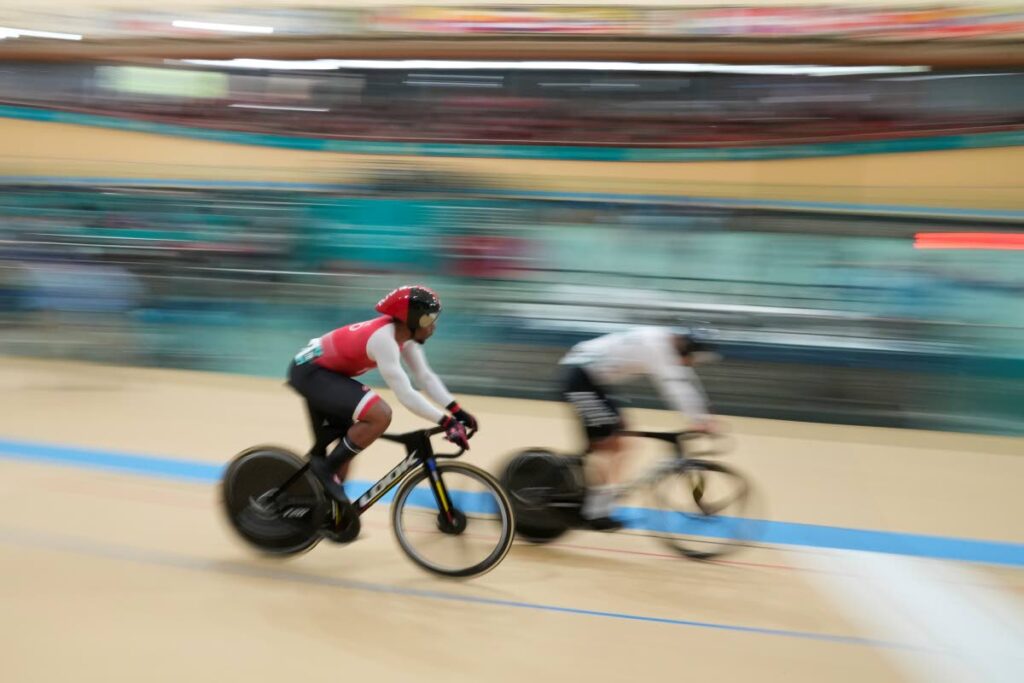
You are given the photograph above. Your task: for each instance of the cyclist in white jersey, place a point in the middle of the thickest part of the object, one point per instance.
(666, 356)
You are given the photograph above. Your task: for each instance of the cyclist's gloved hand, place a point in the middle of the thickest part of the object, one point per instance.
(467, 420)
(455, 432)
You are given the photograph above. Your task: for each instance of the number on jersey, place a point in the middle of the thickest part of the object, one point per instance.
(312, 350)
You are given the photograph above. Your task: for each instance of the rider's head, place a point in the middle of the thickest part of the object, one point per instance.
(695, 345)
(413, 306)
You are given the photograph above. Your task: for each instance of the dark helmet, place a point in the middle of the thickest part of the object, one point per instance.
(698, 342)
(414, 305)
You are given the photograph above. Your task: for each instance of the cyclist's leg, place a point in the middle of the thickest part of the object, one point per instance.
(601, 420)
(602, 492)
(608, 471)
(369, 423)
(332, 468)
(341, 409)
(323, 436)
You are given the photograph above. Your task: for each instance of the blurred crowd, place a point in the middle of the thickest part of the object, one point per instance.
(832, 315)
(563, 108)
(823, 316)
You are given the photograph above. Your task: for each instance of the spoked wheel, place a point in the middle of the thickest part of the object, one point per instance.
(468, 538)
(546, 493)
(288, 525)
(699, 509)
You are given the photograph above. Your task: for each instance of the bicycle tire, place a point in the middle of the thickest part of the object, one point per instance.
(539, 535)
(505, 513)
(250, 475)
(716, 528)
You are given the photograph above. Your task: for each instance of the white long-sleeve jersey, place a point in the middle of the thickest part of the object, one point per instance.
(618, 357)
(382, 348)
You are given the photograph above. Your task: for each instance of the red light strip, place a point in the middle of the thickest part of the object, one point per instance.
(969, 240)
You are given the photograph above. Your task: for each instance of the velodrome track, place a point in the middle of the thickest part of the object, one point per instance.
(888, 555)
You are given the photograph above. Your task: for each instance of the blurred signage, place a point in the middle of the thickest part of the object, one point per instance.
(179, 83)
(752, 22)
(841, 21)
(510, 20)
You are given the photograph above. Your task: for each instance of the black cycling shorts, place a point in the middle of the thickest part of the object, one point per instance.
(598, 413)
(331, 397)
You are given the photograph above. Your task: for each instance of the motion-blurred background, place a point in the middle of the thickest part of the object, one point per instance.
(835, 187)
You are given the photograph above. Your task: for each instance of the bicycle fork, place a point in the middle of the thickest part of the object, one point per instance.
(439, 490)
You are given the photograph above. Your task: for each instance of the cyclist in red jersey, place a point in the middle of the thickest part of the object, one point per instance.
(323, 374)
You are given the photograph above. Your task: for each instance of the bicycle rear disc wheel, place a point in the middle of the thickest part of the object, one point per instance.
(699, 509)
(289, 525)
(546, 493)
(479, 535)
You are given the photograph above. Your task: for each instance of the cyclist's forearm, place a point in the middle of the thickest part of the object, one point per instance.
(408, 396)
(425, 378)
(682, 394)
(383, 349)
(679, 385)
(434, 388)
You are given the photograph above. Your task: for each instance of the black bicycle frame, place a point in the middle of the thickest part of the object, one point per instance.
(570, 499)
(419, 451)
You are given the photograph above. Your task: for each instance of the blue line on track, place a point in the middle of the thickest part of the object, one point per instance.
(762, 531)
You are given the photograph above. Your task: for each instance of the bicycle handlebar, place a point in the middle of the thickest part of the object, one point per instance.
(411, 436)
(469, 435)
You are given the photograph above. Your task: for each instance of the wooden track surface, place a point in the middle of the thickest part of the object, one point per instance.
(964, 178)
(108, 576)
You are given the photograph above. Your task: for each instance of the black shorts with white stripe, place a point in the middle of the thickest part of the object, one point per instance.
(598, 413)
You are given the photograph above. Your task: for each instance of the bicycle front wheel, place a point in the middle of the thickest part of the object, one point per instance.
(699, 509)
(472, 539)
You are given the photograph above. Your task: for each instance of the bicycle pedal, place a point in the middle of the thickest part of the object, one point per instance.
(343, 525)
(342, 538)
(343, 535)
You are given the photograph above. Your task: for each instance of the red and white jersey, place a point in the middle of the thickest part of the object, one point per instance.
(358, 348)
(621, 356)
(344, 349)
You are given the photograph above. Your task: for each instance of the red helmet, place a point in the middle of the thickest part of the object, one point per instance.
(414, 305)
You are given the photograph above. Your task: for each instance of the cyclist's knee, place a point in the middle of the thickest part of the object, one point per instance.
(610, 445)
(378, 417)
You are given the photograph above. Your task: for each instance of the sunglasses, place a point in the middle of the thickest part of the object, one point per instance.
(428, 319)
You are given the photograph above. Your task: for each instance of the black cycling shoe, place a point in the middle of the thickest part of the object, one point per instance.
(602, 524)
(323, 472)
(343, 525)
